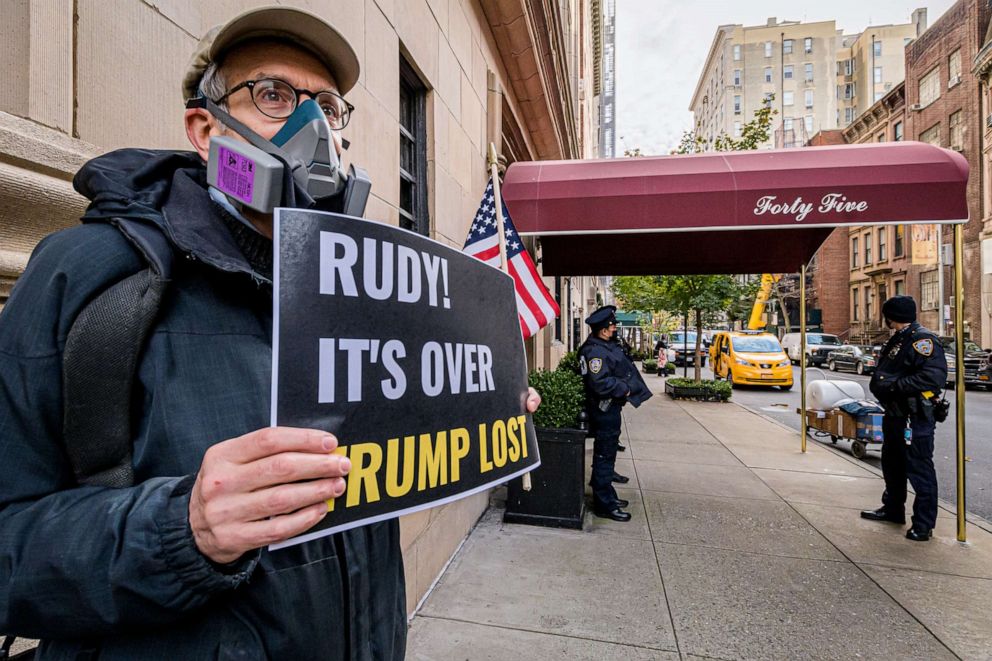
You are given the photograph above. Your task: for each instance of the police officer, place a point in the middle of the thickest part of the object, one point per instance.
(907, 380)
(611, 380)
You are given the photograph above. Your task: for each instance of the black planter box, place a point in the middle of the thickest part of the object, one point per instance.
(557, 495)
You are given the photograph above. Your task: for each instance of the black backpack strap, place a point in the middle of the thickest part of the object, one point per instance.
(101, 358)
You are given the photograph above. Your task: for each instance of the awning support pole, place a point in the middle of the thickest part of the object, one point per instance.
(959, 389)
(802, 351)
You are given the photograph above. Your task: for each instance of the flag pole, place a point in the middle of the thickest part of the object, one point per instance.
(503, 265)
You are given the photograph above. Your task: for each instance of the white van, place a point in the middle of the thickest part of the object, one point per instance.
(818, 345)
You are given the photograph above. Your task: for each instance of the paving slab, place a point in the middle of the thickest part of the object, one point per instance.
(728, 604)
(759, 526)
(682, 453)
(433, 638)
(734, 481)
(789, 456)
(878, 543)
(556, 582)
(829, 489)
(636, 528)
(945, 605)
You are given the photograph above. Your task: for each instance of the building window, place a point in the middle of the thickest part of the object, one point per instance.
(868, 304)
(878, 75)
(928, 290)
(877, 47)
(850, 66)
(848, 115)
(768, 74)
(737, 77)
(787, 71)
(854, 252)
(850, 90)
(768, 49)
(897, 132)
(737, 104)
(900, 286)
(900, 241)
(788, 98)
(737, 129)
(880, 137)
(787, 46)
(808, 122)
(809, 72)
(809, 98)
(954, 69)
(930, 87)
(883, 233)
(867, 248)
(413, 152)
(787, 123)
(855, 308)
(768, 99)
(956, 130)
(808, 44)
(931, 135)
(737, 52)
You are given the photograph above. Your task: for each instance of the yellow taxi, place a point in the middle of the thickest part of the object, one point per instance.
(752, 358)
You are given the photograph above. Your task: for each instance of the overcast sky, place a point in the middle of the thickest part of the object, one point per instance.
(661, 46)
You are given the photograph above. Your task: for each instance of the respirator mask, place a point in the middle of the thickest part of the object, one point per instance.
(297, 168)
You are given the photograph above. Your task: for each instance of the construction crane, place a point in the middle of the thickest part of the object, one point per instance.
(757, 320)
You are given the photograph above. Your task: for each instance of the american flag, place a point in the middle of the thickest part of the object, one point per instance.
(536, 306)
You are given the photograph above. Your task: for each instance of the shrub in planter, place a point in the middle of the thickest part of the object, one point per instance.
(570, 362)
(670, 367)
(707, 390)
(650, 365)
(562, 397)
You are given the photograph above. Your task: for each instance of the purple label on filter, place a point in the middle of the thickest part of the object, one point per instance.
(235, 174)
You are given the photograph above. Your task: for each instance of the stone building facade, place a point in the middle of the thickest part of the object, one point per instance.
(449, 76)
(943, 108)
(982, 70)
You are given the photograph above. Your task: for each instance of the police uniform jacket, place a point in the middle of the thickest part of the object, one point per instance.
(608, 373)
(912, 362)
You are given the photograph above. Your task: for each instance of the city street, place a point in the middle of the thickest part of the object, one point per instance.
(781, 406)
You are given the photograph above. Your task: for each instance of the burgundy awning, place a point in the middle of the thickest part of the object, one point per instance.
(728, 212)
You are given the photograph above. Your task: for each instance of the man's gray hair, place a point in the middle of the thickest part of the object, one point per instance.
(213, 85)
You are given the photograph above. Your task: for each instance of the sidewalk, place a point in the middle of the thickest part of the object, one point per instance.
(740, 547)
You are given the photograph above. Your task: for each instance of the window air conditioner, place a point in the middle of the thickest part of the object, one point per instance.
(954, 80)
(916, 106)
(957, 147)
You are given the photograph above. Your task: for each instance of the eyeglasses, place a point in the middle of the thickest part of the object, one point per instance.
(278, 99)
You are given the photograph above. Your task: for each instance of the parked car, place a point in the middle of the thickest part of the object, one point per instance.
(818, 345)
(976, 363)
(683, 346)
(751, 357)
(855, 357)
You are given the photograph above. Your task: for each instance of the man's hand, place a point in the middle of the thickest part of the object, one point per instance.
(533, 400)
(263, 487)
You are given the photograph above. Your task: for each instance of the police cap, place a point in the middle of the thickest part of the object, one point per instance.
(901, 309)
(602, 317)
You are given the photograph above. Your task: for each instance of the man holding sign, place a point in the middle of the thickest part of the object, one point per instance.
(166, 559)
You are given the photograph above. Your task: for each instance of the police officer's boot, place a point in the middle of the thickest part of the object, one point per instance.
(919, 534)
(620, 479)
(882, 514)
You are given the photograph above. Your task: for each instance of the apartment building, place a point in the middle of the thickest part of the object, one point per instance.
(440, 80)
(817, 76)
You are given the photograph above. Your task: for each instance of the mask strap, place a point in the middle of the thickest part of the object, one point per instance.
(242, 130)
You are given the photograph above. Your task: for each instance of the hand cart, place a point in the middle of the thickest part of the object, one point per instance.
(863, 431)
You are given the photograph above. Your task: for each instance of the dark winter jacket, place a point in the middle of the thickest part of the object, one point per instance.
(912, 362)
(116, 571)
(609, 373)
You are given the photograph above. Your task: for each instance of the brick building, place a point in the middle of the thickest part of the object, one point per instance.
(943, 109)
(828, 268)
(982, 69)
(880, 260)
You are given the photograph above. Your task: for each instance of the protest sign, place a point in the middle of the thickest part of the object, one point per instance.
(407, 350)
